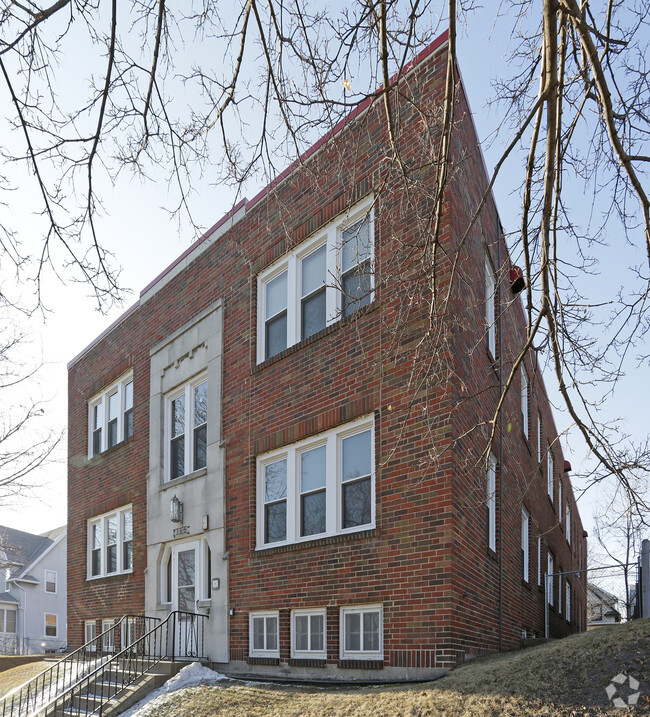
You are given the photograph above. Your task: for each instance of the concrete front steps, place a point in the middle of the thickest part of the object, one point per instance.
(84, 705)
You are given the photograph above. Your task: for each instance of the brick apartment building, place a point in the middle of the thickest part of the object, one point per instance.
(286, 383)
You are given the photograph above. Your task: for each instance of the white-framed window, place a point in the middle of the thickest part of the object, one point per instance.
(525, 551)
(50, 625)
(491, 502)
(321, 486)
(362, 632)
(559, 591)
(539, 559)
(110, 416)
(90, 635)
(525, 396)
(568, 523)
(108, 635)
(550, 472)
(540, 437)
(7, 620)
(567, 600)
(186, 428)
(560, 509)
(550, 577)
(50, 581)
(328, 276)
(308, 631)
(264, 638)
(110, 543)
(490, 302)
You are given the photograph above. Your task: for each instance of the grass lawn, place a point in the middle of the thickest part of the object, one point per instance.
(9, 679)
(565, 677)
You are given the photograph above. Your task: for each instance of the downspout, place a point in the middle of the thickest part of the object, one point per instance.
(501, 471)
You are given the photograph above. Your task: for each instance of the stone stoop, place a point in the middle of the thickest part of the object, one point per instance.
(130, 695)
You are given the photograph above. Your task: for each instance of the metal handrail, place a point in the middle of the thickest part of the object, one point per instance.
(65, 672)
(112, 677)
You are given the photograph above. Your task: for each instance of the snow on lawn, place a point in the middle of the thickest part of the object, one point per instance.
(194, 674)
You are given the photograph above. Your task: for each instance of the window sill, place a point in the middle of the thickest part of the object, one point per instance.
(326, 540)
(492, 554)
(92, 578)
(526, 585)
(340, 323)
(183, 479)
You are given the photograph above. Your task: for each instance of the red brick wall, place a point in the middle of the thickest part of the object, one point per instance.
(426, 559)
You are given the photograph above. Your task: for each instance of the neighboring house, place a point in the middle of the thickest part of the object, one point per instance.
(331, 508)
(601, 607)
(33, 594)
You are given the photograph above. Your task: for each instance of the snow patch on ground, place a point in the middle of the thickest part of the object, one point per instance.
(194, 674)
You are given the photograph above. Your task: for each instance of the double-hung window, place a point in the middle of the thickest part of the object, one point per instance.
(567, 600)
(491, 503)
(90, 633)
(50, 581)
(550, 472)
(318, 487)
(110, 543)
(187, 426)
(362, 632)
(539, 438)
(308, 630)
(328, 276)
(264, 634)
(550, 577)
(568, 523)
(50, 625)
(110, 416)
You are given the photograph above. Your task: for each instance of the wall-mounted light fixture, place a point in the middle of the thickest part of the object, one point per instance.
(176, 510)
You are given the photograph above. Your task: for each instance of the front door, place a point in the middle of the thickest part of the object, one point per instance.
(185, 582)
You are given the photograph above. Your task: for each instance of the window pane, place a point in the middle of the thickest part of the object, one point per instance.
(113, 406)
(276, 295)
(96, 566)
(353, 631)
(128, 423)
(276, 335)
(97, 441)
(371, 631)
(111, 559)
(275, 481)
(313, 314)
(128, 396)
(258, 633)
(178, 457)
(313, 513)
(97, 535)
(201, 404)
(50, 625)
(356, 503)
(356, 456)
(112, 433)
(275, 518)
(200, 447)
(271, 633)
(317, 632)
(186, 599)
(98, 415)
(127, 557)
(356, 244)
(314, 271)
(357, 288)
(178, 416)
(127, 518)
(312, 469)
(302, 632)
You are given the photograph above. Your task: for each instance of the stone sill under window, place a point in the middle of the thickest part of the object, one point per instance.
(95, 459)
(107, 576)
(343, 321)
(526, 584)
(328, 540)
(183, 479)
